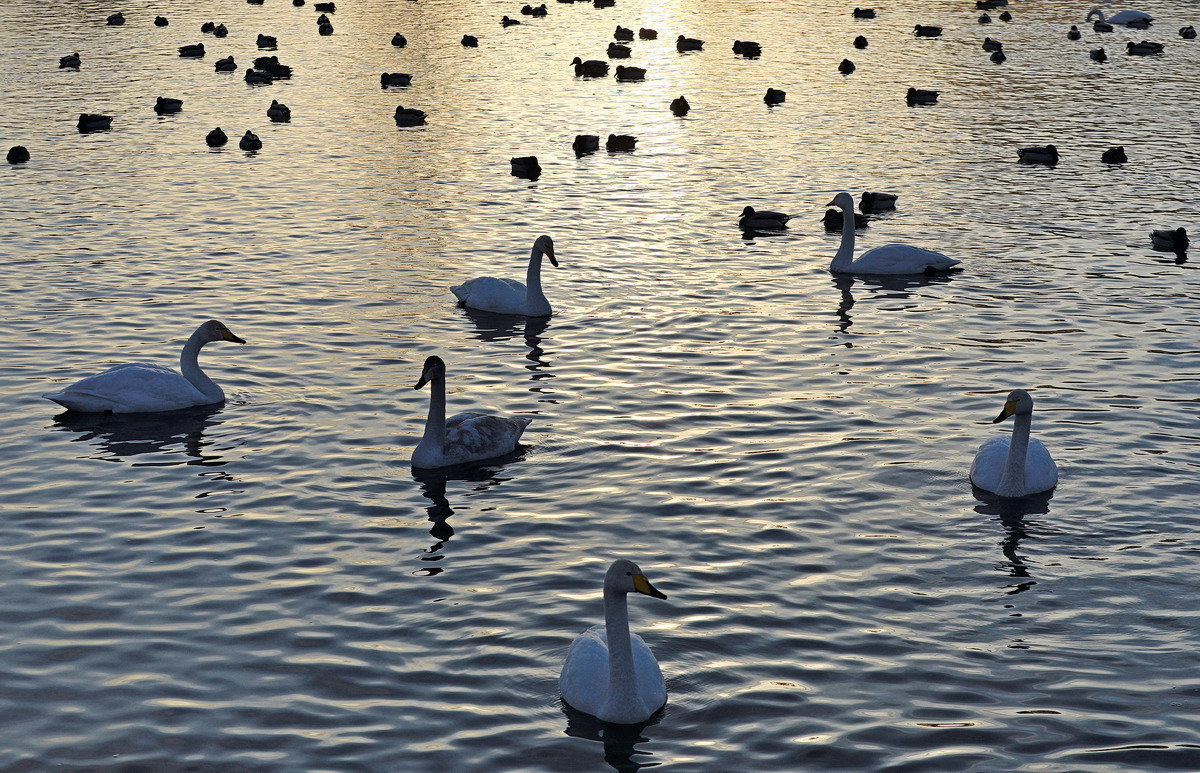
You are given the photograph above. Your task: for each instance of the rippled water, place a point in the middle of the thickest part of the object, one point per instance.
(266, 585)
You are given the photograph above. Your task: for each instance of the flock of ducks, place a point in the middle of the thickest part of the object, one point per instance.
(609, 672)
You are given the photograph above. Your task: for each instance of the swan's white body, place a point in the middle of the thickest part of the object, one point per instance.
(464, 437)
(609, 672)
(889, 259)
(138, 387)
(508, 296)
(1015, 465)
(1122, 17)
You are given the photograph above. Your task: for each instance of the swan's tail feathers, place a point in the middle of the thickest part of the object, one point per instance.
(460, 292)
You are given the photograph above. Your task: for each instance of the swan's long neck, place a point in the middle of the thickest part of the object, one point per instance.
(435, 424)
(622, 682)
(534, 297)
(189, 366)
(1012, 483)
(845, 254)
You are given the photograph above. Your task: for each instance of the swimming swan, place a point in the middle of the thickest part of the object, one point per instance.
(609, 672)
(1128, 18)
(464, 437)
(890, 259)
(1014, 465)
(138, 387)
(508, 296)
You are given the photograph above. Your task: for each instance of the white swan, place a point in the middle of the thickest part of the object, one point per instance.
(609, 672)
(1014, 465)
(464, 437)
(139, 387)
(1128, 18)
(889, 259)
(508, 296)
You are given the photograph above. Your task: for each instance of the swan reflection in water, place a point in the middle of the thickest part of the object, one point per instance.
(491, 328)
(881, 287)
(167, 433)
(620, 741)
(1011, 513)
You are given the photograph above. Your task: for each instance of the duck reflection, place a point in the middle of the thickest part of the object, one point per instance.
(1011, 513)
(126, 435)
(881, 288)
(491, 327)
(433, 487)
(620, 741)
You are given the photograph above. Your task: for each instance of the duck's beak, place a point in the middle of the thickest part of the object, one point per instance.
(229, 336)
(1009, 409)
(550, 254)
(643, 586)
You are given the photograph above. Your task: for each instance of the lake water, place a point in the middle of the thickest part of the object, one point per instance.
(266, 585)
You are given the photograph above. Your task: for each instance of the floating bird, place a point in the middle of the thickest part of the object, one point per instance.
(998, 57)
(992, 45)
(834, 220)
(585, 143)
(864, 13)
(985, 19)
(680, 106)
(226, 65)
(526, 166)
(273, 67)
(618, 51)
(195, 49)
(409, 116)
(926, 31)
(877, 201)
(622, 33)
(399, 41)
(220, 31)
(508, 296)
(860, 42)
(627, 74)
(529, 10)
(762, 220)
(93, 122)
(322, 19)
(646, 33)
(145, 388)
(325, 7)
(161, 21)
(395, 79)
(1144, 48)
(1100, 26)
(216, 138)
(1135, 19)
(846, 67)
(747, 48)
(250, 141)
(989, 5)
(17, 154)
(1074, 33)
(775, 96)
(603, 3)
(921, 96)
(1005, 16)
(116, 20)
(325, 29)
(610, 672)
(266, 41)
(1038, 154)
(507, 22)
(279, 112)
(889, 259)
(688, 44)
(470, 41)
(1188, 32)
(164, 105)
(254, 77)
(70, 60)
(1114, 155)
(1171, 240)
(592, 68)
(465, 437)
(620, 143)
(1014, 465)
(1097, 54)
(207, 27)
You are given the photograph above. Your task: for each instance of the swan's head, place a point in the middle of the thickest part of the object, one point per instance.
(843, 200)
(1019, 403)
(545, 246)
(434, 369)
(626, 577)
(216, 331)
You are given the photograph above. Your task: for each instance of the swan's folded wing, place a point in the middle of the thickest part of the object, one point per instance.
(481, 436)
(988, 466)
(134, 387)
(651, 687)
(584, 678)
(490, 293)
(1041, 473)
(901, 259)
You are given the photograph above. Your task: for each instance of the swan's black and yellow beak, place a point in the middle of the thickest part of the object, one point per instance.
(832, 203)
(422, 381)
(549, 253)
(1009, 409)
(643, 586)
(228, 335)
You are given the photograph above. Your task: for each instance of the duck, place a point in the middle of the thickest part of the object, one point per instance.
(846, 67)
(622, 33)
(921, 96)
(1170, 239)
(535, 10)
(273, 67)
(645, 33)
(116, 20)
(226, 65)
(603, 3)
(526, 166)
(680, 106)
(325, 29)
(889, 259)
(279, 112)
(194, 49)
(93, 122)
(220, 31)
(17, 154)
(860, 42)
(989, 5)
(1114, 155)
(1188, 32)
(1144, 48)
(1005, 16)
(992, 45)
(864, 13)
(1135, 19)
(257, 77)
(216, 138)
(834, 221)
(207, 27)
(877, 201)
(470, 41)
(146, 388)
(592, 68)
(161, 21)
(1038, 154)
(926, 31)
(585, 143)
(399, 41)
(464, 437)
(1074, 33)
(627, 74)
(620, 143)
(70, 60)
(395, 79)
(747, 48)
(250, 141)
(507, 22)
(998, 57)
(322, 19)
(775, 96)
(618, 51)
(325, 7)
(508, 296)
(1014, 465)
(610, 672)
(688, 44)
(1101, 26)
(266, 41)
(164, 105)
(985, 19)
(762, 219)
(1098, 55)
(409, 116)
